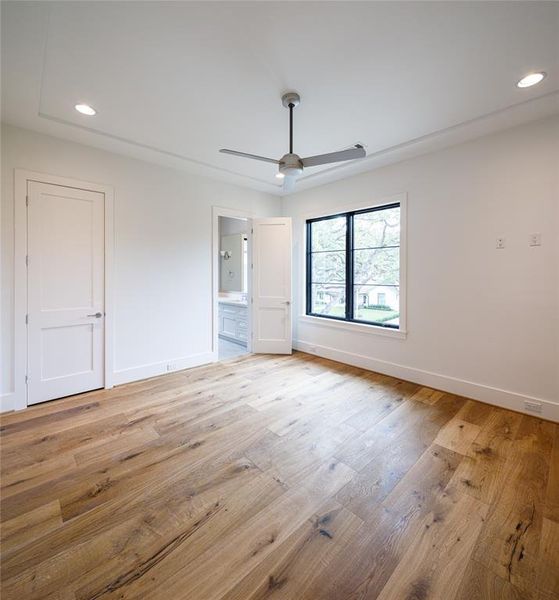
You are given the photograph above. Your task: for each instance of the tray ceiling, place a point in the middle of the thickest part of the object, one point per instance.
(174, 82)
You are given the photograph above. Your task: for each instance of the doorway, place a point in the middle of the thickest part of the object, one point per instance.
(267, 279)
(233, 276)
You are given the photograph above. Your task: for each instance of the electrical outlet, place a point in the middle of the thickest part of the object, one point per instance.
(534, 407)
(172, 367)
(500, 243)
(535, 239)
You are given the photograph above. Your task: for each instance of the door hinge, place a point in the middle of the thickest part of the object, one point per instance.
(27, 260)
(27, 379)
(251, 230)
(27, 319)
(26, 200)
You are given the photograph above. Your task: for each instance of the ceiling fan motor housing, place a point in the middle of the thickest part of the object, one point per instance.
(290, 165)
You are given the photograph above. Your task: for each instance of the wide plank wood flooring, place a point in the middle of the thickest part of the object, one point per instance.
(278, 477)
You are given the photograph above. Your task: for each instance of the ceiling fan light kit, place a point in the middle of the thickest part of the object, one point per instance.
(291, 165)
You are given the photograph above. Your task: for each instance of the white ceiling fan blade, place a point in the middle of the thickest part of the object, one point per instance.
(253, 156)
(289, 184)
(324, 159)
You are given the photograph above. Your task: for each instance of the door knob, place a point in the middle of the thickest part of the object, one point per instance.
(97, 315)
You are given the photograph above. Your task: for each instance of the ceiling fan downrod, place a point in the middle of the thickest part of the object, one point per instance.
(290, 100)
(291, 128)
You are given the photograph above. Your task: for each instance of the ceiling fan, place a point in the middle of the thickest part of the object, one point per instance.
(291, 165)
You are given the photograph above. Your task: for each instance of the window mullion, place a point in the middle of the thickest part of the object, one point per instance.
(349, 268)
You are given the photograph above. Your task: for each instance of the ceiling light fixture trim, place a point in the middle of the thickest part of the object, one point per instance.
(531, 79)
(85, 109)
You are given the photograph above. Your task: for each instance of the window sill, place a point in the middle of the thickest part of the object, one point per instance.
(355, 327)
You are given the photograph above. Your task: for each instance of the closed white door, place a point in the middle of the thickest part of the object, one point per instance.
(65, 283)
(271, 290)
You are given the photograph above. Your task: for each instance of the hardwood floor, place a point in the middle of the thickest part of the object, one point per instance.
(278, 477)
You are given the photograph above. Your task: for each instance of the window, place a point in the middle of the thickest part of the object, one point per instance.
(353, 266)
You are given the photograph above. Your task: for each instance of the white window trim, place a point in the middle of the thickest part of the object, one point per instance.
(401, 332)
(351, 326)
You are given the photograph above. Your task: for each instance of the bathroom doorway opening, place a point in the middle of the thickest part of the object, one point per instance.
(233, 318)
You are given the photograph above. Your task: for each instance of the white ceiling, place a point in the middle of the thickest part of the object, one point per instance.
(174, 82)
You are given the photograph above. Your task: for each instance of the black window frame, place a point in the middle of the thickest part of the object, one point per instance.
(349, 265)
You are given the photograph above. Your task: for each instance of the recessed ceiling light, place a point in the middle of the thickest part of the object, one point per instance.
(85, 109)
(531, 79)
(280, 175)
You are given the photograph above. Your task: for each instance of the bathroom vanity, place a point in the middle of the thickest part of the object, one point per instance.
(232, 320)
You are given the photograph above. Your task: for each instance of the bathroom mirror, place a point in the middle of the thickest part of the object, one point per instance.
(233, 263)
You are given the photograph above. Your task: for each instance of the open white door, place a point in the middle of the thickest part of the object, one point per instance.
(271, 285)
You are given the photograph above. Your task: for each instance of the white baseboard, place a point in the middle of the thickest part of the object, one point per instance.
(160, 368)
(7, 401)
(461, 387)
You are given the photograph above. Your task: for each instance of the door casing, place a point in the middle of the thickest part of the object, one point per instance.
(21, 179)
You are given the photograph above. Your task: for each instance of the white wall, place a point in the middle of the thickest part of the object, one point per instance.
(162, 270)
(481, 322)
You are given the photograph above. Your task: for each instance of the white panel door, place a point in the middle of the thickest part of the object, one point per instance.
(65, 283)
(271, 290)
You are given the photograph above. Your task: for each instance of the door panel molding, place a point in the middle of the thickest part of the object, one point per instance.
(21, 179)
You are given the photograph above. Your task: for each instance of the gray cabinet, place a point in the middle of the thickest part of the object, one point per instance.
(232, 319)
